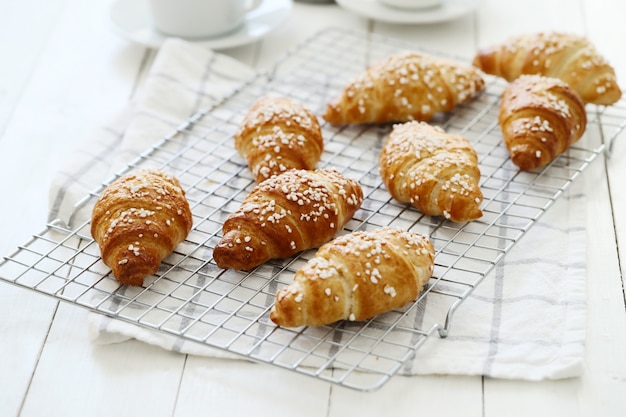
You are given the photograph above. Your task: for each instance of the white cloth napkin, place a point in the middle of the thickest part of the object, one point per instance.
(526, 320)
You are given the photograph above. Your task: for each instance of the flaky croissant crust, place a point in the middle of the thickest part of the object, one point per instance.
(355, 277)
(434, 171)
(286, 214)
(137, 221)
(540, 117)
(403, 87)
(569, 57)
(278, 134)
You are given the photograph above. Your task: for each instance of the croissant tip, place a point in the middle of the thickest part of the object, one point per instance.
(477, 214)
(476, 60)
(274, 316)
(228, 256)
(332, 114)
(525, 157)
(132, 273)
(223, 258)
(468, 217)
(287, 310)
(277, 318)
(136, 281)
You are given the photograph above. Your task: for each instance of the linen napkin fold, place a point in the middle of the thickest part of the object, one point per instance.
(526, 320)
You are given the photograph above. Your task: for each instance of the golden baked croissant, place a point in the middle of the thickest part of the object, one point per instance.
(137, 221)
(540, 117)
(403, 87)
(355, 277)
(434, 171)
(286, 214)
(279, 134)
(566, 56)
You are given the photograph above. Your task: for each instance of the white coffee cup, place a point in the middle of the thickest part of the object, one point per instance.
(411, 4)
(200, 18)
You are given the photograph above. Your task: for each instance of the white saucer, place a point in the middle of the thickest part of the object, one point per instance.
(450, 9)
(131, 19)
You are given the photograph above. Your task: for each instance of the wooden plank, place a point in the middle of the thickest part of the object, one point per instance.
(604, 24)
(597, 391)
(26, 316)
(21, 46)
(76, 378)
(417, 395)
(304, 22)
(454, 38)
(241, 388)
(497, 20)
(73, 84)
(541, 399)
(605, 379)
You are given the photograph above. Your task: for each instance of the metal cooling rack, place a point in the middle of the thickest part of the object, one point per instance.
(190, 297)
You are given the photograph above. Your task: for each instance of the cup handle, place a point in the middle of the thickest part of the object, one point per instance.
(253, 5)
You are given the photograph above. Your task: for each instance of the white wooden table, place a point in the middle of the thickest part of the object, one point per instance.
(63, 70)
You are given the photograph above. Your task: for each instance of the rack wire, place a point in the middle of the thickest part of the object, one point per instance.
(191, 298)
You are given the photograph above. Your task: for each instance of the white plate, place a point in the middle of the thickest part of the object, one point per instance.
(449, 9)
(131, 19)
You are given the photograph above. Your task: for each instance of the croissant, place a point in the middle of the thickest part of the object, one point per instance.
(137, 221)
(540, 117)
(568, 57)
(434, 171)
(355, 277)
(279, 134)
(286, 214)
(403, 87)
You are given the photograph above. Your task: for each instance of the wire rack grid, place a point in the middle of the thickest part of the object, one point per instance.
(191, 298)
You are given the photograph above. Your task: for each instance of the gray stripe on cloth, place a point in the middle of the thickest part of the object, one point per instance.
(186, 87)
(418, 322)
(554, 262)
(496, 320)
(516, 342)
(203, 81)
(530, 297)
(87, 166)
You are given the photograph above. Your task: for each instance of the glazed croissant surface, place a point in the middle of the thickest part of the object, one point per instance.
(435, 171)
(566, 56)
(286, 214)
(355, 277)
(137, 221)
(403, 87)
(540, 117)
(278, 134)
